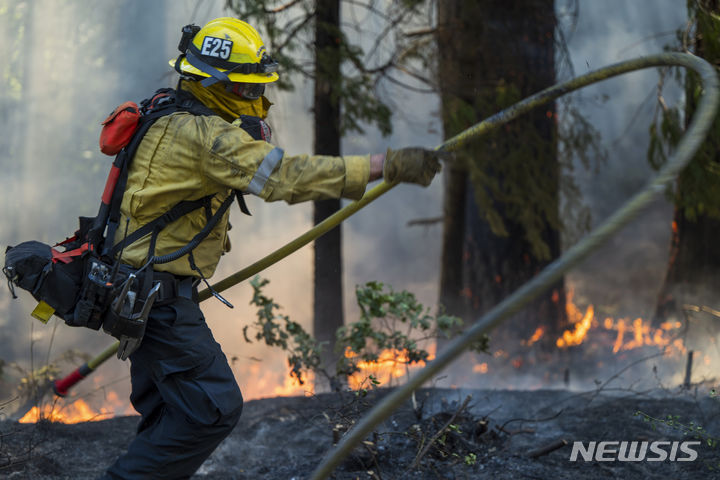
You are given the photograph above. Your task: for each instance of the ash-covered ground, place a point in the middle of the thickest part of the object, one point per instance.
(494, 436)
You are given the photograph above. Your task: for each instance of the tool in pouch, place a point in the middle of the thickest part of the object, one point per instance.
(84, 284)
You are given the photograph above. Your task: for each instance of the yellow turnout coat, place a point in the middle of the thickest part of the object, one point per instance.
(186, 157)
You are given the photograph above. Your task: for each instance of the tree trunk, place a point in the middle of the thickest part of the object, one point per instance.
(327, 289)
(492, 54)
(693, 274)
(451, 271)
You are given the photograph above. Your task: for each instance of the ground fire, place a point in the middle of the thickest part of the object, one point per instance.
(62, 410)
(611, 336)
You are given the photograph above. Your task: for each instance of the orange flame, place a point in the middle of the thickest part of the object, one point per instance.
(629, 335)
(268, 383)
(480, 368)
(536, 336)
(582, 327)
(620, 335)
(392, 364)
(76, 412)
(640, 333)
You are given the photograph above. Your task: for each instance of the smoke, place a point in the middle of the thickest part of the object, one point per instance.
(622, 279)
(69, 66)
(66, 65)
(622, 110)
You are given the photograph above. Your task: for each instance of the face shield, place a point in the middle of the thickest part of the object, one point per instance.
(247, 91)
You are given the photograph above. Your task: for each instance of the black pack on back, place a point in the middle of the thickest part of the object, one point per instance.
(81, 282)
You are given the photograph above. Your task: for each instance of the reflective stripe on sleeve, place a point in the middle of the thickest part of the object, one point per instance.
(263, 172)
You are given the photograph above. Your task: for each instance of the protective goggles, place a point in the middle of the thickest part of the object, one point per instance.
(248, 91)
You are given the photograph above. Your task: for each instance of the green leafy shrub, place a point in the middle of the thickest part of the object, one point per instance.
(390, 322)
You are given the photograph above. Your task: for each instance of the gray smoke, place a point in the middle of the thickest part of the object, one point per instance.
(69, 63)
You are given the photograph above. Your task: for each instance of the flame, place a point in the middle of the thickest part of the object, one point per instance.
(480, 368)
(620, 335)
(76, 412)
(628, 335)
(582, 322)
(639, 333)
(535, 336)
(582, 327)
(291, 386)
(391, 365)
(268, 383)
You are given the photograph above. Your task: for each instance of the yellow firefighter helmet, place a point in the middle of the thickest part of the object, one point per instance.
(225, 50)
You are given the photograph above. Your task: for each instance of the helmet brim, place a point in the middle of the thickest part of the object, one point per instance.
(185, 67)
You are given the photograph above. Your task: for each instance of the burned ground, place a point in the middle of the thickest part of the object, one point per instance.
(493, 436)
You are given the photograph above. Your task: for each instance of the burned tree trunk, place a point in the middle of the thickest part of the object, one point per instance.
(693, 274)
(501, 206)
(327, 288)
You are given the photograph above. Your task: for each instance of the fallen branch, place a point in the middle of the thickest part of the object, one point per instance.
(549, 448)
(530, 420)
(519, 430)
(424, 221)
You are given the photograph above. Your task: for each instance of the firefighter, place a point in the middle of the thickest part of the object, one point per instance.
(182, 385)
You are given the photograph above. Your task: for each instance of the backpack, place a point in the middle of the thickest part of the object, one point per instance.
(83, 283)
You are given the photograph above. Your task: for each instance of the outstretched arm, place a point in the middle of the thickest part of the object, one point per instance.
(377, 161)
(236, 160)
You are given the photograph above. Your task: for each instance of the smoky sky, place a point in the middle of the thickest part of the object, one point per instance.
(87, 57)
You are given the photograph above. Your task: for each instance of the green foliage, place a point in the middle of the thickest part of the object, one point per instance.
(673, 422)
(388, 320)
(288, 30)
(664, 135)
(518, 182)
(392, 320)
(32, 383)
(279, 331)
(366, 384)
(577, 140)
(697, 192)
(360, 105)
(690, 429)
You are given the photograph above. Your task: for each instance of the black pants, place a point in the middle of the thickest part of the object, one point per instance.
(186, 393)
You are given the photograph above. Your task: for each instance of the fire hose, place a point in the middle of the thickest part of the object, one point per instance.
(690, 142)
(688, 145)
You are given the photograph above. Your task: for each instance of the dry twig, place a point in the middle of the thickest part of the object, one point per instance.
(437, 435)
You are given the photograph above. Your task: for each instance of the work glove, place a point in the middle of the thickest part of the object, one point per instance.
(412, 165)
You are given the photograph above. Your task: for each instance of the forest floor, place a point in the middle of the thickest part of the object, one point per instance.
(499, 434)
(493, 436)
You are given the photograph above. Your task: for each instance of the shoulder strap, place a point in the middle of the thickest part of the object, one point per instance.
(177, 211)
(164, 102)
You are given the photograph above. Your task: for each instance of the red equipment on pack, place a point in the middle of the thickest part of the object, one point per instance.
(84, 284)
(119, 127)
